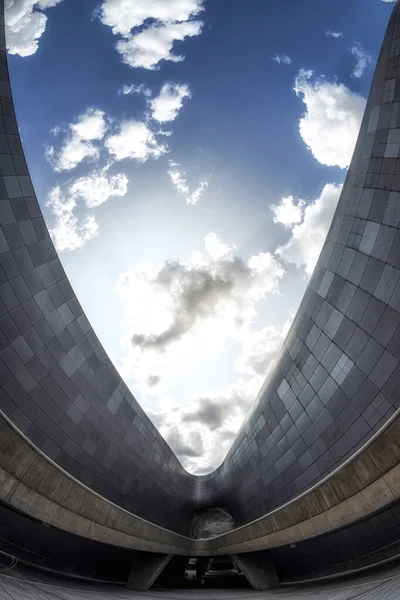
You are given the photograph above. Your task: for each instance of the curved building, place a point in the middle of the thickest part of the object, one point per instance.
(311, 483)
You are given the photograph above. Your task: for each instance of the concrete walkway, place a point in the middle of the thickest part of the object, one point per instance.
(15, 585)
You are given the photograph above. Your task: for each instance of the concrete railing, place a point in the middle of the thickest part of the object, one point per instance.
(38, 487)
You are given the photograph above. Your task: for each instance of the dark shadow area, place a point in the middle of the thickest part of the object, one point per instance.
(201, 573)
(363, 544)
(34, 543)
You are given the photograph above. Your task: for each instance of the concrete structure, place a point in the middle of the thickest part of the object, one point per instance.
(18, 584)
(258, 568)
(145, 570)
(315, 465)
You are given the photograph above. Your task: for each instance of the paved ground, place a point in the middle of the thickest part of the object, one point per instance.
(15, 585)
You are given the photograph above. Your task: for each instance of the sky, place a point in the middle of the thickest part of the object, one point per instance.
(188, 156)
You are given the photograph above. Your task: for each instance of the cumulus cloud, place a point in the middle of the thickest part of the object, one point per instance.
(90, 133)
(166, 106)
(153, 380)
(182, 295)
(150, 28)
(334, 34)
(260, 350)
(202, 432)
(307, 237)
(195, 196)
(56, 130)
(124, 15)
(25, 23)
(173, 311)
(211, 412)
(185, 446)
(178, 178)
(179, 181)
(331, 108)
(131, 88)
(90, 126)
(363, 60)
(134, 139)
(216, 248)
(69, 232)
(283, 59)
(97, 188)
(81, 141)
(214, 411)
(73, 228)
(149, 47)
(288, 212)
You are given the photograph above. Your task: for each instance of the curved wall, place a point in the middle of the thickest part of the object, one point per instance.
(336, 381)
(57, 384)
(334, 385)
(363, 544)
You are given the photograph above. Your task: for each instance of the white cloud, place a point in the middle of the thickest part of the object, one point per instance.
(332, 120)
(202, 431)
(97, 188)
(178, 178)
(150, 46)
(307, 238)
(124, 15)
(73, 152)
(195, 196)
(216, 249)
(334, 34)
(25, 23)
(73, 228)
(170, 21)
(128, 89)
(260, 350)
(55, 130)
(134, 140)
(179, 181)
(215, 419)
(168, 303)
(186, 445)
(80, 142)
(173, 312)
(166, 106)
(288, 212)
(167, 133)
(69, 232)
(282, 59)
(90, 126)
(130, 139)
(363, 60)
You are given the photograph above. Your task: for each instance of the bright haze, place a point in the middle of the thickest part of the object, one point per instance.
(188, 156)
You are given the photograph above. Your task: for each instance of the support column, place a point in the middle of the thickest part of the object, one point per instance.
(203, 564)
(146, 567)
(173, 575)
(258, 568)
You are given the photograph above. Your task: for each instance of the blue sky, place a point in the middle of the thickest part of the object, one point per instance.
(188, 157)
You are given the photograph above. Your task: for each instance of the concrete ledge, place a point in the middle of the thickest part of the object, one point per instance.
(35, 485)
(364, 484)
